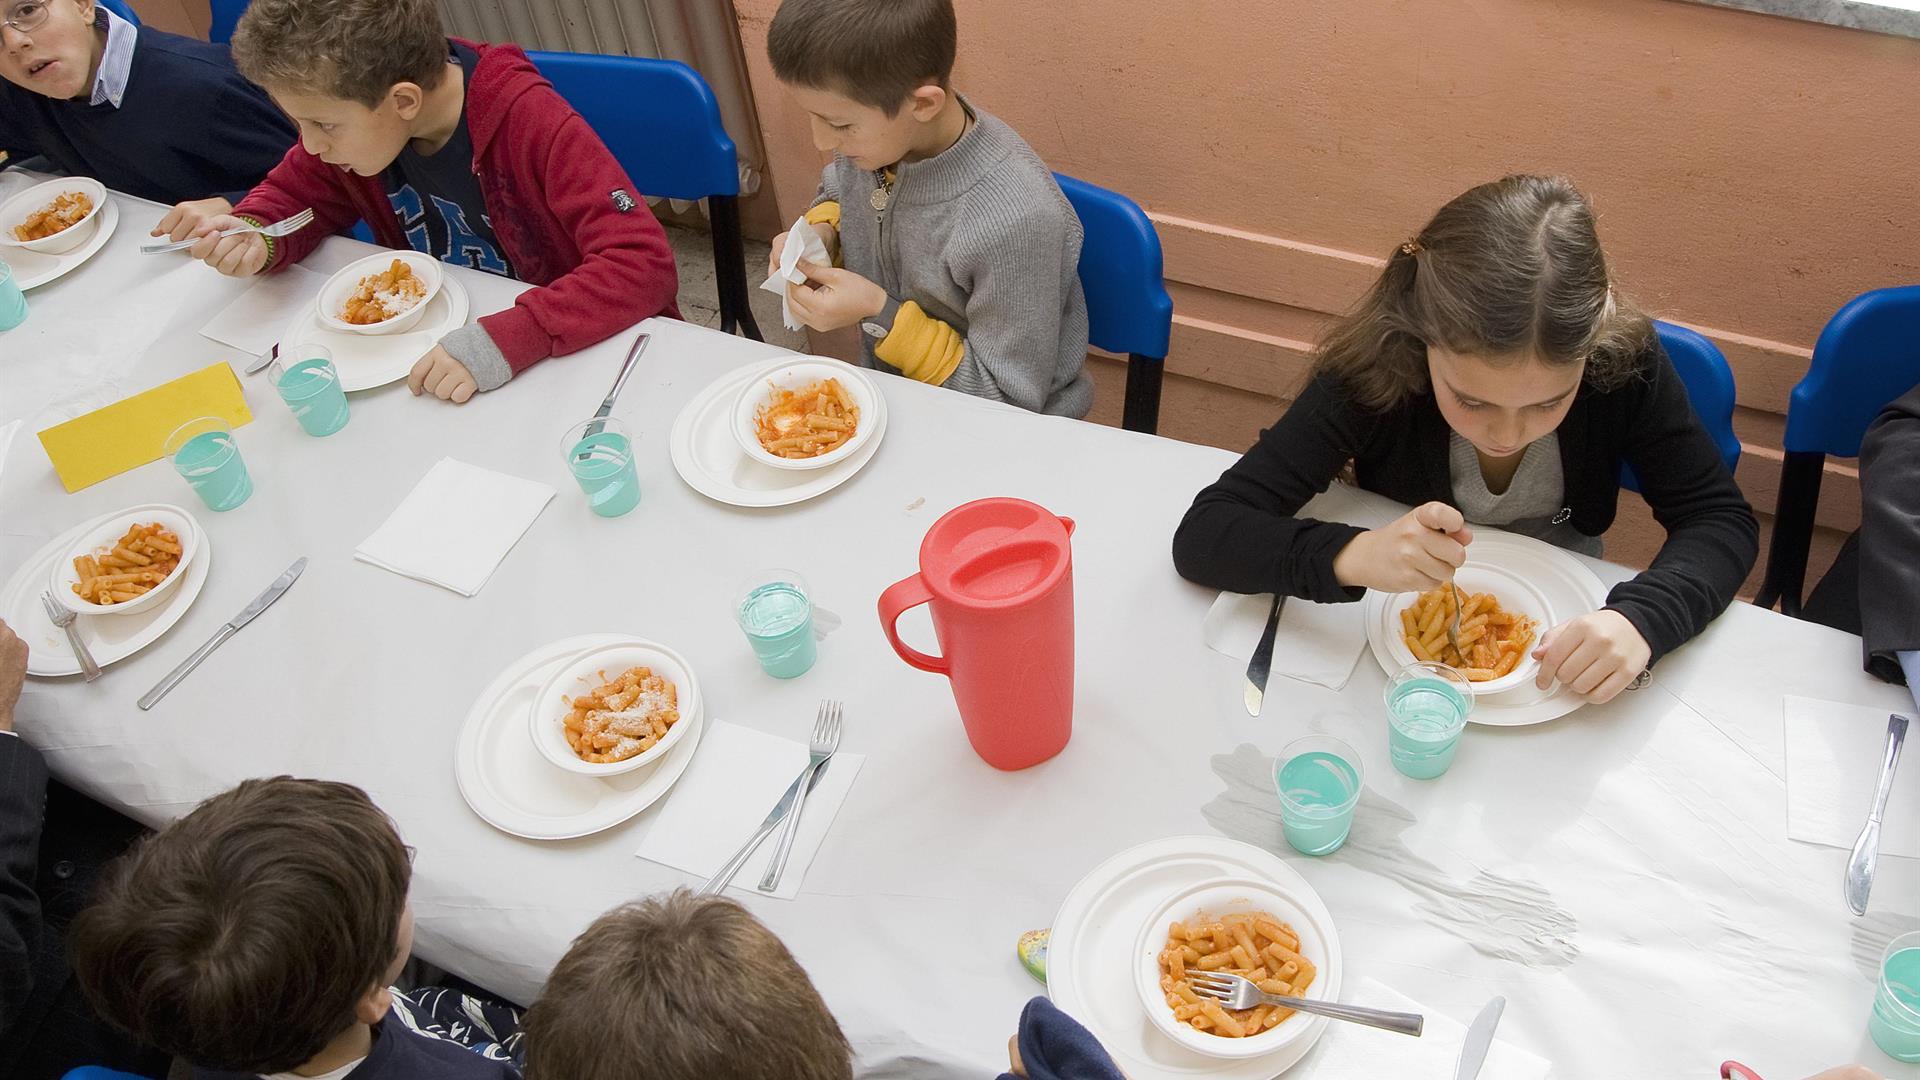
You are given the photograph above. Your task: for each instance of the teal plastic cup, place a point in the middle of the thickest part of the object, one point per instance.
(310, 385)
(1318, 779)
(13, 301)
(204, 452)
(1427, 709)
(599, 453)
(775, 611)
(1895, 1022)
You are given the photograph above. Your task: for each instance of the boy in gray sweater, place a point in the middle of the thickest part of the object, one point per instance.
(954, 250)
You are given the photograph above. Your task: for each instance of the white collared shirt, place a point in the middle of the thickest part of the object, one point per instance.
(116, 63)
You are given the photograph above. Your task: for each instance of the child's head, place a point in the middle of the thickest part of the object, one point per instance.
(353, 74)
(682, 987)
(56, 53)
(1501, 307)
(253, 931)
(868, 72)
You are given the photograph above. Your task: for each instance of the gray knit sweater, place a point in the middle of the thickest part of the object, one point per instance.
(982, 239)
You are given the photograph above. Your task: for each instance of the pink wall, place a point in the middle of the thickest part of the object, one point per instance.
(1752, 173)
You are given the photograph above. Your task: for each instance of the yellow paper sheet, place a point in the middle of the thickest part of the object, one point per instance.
(127, 434)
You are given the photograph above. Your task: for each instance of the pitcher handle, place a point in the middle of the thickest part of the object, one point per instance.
(894, 602)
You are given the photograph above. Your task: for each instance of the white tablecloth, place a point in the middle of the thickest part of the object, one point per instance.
(1622, 876)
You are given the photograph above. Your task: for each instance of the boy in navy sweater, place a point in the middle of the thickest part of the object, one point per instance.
(259, 935)
(156, 115)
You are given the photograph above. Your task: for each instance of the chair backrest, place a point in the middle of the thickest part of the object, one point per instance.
(122, 9)
(1868, 354)
(1128, 309)
(1704, 371)
(226, 15)
(658, 117)
(99, 1072)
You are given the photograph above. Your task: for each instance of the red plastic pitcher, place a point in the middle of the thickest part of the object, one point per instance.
(998, 576)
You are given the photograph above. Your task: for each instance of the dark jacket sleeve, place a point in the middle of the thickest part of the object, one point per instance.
(1241, 533)
(23, 801)
(1712, 535)
(1890, 536)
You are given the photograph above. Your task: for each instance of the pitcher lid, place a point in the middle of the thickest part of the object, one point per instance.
(995, 552)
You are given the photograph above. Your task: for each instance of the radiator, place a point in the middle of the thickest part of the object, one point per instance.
(704, 34)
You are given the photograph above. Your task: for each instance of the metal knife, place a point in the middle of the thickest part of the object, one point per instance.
(264, 359)
(260, 603)
(780, 810)
(619, 383)
(1866, 850)
(1261, 665)
(1473, 1050)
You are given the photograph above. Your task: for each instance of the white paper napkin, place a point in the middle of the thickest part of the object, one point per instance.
(1353, 1050)
(734, 782)
(1316, 643)
(455, 526)
(803, 242)
(252, 323)
(1834, 753)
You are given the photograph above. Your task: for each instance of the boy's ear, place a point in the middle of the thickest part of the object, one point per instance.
(926, 102)
(373, 1005)
(407, 99)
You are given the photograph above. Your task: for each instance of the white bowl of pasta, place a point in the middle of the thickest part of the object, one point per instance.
(380, 294)
(59, 214)
(1490, 595)
(127, 563)
(614, 708)
(1214, 917)
(805, 413)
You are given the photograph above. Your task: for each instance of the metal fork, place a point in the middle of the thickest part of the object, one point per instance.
(276, 230)
(1453, 627)
(826, 740)
(63, 619)
(1239, 992)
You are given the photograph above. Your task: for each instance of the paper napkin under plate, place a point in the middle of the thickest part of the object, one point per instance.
(1316, 643)
(733, 783)
(252, 323)
(1834, 753)
(803, 242)
(1353, 1051)
(129, 433)
(456, 525)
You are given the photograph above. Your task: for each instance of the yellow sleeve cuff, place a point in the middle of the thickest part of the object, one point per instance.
(921, 346)
(826, 213)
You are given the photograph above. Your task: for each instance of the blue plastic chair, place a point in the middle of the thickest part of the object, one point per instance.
(226, 15)
(1705, 373)
(662, 123)
(1128, 309)
(1868, 355)
(122, 9)
(95, 1072)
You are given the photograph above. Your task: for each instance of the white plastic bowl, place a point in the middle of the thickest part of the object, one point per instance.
(18, 209)
(795, 375)
(333, 295)
(1515, 594)
(65, 577)
(1231, 896)
(547, 717)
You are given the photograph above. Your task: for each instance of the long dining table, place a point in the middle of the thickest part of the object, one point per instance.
(1622, 875)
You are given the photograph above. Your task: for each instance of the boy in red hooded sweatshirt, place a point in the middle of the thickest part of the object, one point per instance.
(455, 149)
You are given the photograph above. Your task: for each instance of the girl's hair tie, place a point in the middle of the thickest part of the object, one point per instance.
(1411, 247)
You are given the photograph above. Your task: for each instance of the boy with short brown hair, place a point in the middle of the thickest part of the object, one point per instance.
(682, 987)
(456, 149)
(259, 934)
(954, 250)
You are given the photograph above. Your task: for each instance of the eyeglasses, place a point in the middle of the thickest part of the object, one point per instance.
(27, 17)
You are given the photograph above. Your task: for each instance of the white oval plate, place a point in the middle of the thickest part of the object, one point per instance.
(109, 639)
(505, 780)
(32, 269)
(708, 457)
(1090, 956)
(1560, 580)
(369, 360)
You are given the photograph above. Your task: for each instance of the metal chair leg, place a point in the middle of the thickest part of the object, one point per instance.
(730, 267)
(1142, 409)
(1792, 539)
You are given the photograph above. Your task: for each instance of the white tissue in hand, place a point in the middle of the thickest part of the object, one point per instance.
(803, 242)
